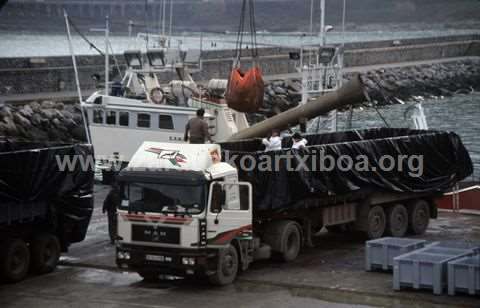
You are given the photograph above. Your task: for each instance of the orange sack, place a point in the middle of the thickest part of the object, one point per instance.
(245, 91)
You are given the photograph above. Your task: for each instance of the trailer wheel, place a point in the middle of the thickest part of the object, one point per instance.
(227, 267)
(419, 216)
(397, 220)
(376, 222)
(45, 251)
(15, 260)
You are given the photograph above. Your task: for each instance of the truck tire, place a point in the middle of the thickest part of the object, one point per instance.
(419, 216)
(285, 240)
(45, 252)
(227, 267)
(397, 220)
(376, 222)
(14, 260)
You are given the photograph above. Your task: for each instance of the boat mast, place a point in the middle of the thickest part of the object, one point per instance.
(107, 56)
(77, 79)
(164, 4)
(107, 68)
(322, 23)
(171, 22)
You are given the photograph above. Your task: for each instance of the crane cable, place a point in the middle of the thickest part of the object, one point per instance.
(241, 30)
(92, 45)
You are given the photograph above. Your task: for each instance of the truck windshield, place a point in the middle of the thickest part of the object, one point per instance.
(164, 198)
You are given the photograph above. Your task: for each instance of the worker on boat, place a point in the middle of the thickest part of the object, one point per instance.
(274, 143)
(196, 130)
(298, 142)
(110, 205)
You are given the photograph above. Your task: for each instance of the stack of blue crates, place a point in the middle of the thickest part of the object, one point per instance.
(434, 266)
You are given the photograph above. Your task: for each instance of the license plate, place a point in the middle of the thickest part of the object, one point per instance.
(155, 258)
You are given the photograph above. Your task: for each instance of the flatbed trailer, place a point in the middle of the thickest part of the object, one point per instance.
(186, 213)
(44, 207)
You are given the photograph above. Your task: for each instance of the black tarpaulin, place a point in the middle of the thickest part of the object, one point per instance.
(31, 175)
(432, 161)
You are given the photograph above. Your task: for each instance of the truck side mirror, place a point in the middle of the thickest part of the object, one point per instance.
(218, 198)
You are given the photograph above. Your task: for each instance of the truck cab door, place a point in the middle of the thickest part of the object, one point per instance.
(229, 213)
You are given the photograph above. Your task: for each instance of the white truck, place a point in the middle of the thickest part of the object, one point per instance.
(185, 212)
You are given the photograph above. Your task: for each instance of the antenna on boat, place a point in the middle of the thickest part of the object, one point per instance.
(164, 5)
(322, 23)
(171, 22)
(344, 18)
(77, 79)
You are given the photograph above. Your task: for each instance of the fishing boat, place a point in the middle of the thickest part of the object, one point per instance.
(139, 107)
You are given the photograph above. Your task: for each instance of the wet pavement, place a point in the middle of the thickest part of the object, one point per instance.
(329, 275)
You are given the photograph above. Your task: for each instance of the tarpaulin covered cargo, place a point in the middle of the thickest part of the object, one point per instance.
(303, 173)
(33, 183)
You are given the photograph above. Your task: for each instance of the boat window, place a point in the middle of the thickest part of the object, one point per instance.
(98, 116)
(111, 117)
(143, 120)
(123, 118)
(165, 121)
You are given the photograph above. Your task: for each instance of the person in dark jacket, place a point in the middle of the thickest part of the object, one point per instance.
(110, 205)
(198, 129)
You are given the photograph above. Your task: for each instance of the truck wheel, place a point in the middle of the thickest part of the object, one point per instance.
(288, 241)
(227, 267)
(376, 222)
(15, 260)
(397, 220)
(45, 251)
(285, 239)
(149, 276)
(419, 216)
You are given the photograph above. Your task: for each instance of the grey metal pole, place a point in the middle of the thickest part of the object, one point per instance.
(163, 16)
(311, 17)
(107, 68)
(171, 22)
(344, 18)
(130, 28)
(322, 22)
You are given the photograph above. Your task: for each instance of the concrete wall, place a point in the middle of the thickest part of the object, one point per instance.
(53, 74)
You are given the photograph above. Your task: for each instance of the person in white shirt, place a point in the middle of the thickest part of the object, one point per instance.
(274, 143)
(298, 141)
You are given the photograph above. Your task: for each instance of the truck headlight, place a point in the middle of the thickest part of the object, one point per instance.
(188, 261)
(124, 255)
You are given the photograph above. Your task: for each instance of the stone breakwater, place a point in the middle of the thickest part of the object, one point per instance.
(41, 122)
(59, 122)
(395, 85)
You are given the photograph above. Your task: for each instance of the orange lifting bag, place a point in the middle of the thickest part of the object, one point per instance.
(245, 91)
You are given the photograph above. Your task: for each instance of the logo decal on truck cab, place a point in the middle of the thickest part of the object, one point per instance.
(173, 156)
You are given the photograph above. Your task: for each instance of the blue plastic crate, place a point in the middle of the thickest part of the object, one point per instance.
(464, 275)
(379, 253)
(425, 268)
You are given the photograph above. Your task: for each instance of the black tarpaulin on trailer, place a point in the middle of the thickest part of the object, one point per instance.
(422, 161)
(31, 175)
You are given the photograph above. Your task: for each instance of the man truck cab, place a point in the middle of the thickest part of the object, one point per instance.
(183, 212)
